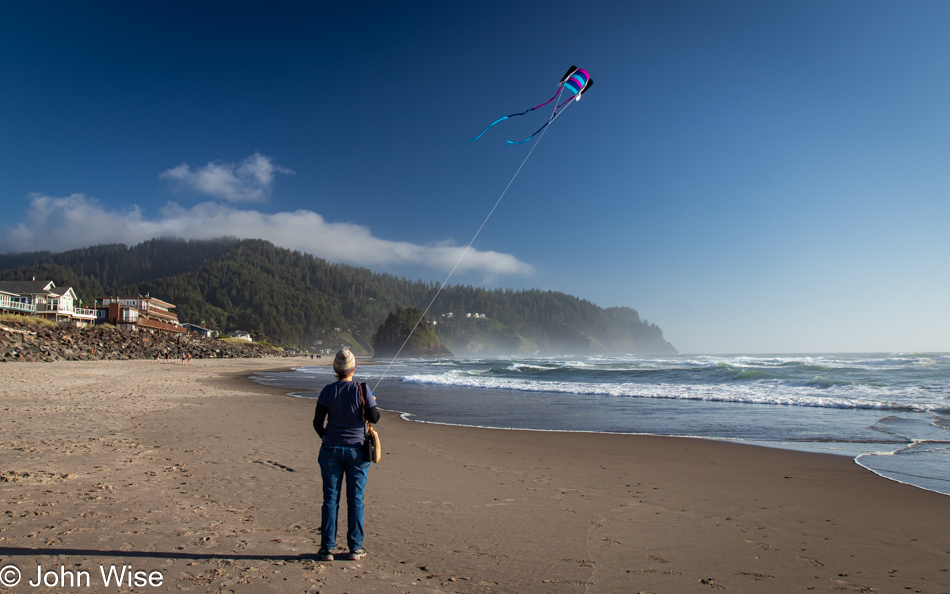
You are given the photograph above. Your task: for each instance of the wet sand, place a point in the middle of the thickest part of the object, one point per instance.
(212, 481)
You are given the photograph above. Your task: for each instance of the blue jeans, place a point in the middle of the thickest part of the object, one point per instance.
(337, 462)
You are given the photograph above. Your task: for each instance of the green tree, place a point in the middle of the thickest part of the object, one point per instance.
(297, 299)
(407, 323)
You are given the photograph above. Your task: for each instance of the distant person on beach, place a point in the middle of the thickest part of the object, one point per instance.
(344, 408)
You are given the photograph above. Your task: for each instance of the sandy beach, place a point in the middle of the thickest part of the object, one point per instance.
(200, 480)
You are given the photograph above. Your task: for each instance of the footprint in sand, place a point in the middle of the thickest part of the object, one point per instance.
(276, 465)
(853, 587)
(812, 561)
(756, 576)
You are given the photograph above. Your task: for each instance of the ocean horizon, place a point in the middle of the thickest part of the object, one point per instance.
(890, 412)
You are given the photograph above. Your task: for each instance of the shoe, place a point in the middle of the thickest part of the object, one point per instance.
(324, 554)
(357, 554)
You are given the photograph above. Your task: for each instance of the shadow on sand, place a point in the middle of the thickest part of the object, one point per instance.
(27, 552)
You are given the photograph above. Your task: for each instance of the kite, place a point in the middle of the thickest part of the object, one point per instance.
(575, 81)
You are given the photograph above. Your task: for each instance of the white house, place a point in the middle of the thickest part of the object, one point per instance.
(46, 300)
(14, 303)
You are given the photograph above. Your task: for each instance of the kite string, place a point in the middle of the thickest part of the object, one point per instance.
(554, 116)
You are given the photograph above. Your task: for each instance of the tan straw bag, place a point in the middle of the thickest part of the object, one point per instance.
(371, 445)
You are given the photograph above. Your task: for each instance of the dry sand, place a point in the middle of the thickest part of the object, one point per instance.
(212, 481)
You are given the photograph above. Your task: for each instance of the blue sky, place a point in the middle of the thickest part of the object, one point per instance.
(751, 176)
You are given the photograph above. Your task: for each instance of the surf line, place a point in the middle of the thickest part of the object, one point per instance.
(468, 247)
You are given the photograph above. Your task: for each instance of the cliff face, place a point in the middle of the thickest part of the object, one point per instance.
(484, 336)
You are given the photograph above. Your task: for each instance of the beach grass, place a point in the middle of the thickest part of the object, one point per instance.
(36, 321)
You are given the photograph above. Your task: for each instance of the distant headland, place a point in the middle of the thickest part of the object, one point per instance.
(298, 301)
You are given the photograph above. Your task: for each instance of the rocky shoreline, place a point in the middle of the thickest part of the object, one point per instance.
(29, 341)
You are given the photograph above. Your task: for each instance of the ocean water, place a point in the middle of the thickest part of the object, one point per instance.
(890, 412)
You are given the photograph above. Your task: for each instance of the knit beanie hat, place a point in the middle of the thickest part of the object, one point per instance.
(344, 363)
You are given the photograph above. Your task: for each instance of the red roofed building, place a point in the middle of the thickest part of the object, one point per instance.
(138, 313)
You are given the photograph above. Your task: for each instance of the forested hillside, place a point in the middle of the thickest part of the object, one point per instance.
(293, 298)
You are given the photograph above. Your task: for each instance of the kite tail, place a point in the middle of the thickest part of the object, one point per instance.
(489, 126)
(563, 104)
(507, 142)
(554, 115)
(545, 103)
(518, 114)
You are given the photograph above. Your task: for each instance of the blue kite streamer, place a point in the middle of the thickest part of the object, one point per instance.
(576, 81)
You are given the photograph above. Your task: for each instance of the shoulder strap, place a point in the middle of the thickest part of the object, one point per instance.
(361, 390)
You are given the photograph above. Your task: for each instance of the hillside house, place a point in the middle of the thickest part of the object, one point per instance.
(14, 303)
(44, 299)
(199, 330)
(134, 314)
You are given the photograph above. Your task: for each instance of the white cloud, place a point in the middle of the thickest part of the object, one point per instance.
(59, 224)
(247, 181)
